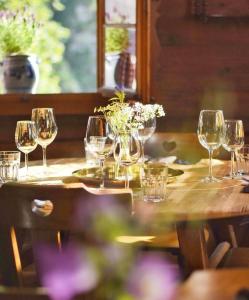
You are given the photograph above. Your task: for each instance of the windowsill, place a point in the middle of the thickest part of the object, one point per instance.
(108, 92)
(64, 104)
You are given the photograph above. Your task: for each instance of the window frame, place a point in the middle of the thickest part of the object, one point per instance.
(142, 48)
(84, 103)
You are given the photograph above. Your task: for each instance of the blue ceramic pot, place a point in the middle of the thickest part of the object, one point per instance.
(20, 74)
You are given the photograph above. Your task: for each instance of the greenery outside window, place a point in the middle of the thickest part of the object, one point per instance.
(115, 26)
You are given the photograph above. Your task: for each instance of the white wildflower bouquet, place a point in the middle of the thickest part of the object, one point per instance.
(124, 116)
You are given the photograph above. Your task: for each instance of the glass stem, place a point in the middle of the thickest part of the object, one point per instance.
(126, 178)
(44, 159)
(142, 151)
(26, 163)
(232, 165)
(116, 170)
(102, 184)
(210, 152)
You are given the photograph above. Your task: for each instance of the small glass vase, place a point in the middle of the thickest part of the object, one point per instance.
(127, 151)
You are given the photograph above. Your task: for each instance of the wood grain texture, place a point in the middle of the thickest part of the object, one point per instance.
(64, 104)
(26, 207)
(197, 65)
(188, 199)
(215, 285)
(189, 203)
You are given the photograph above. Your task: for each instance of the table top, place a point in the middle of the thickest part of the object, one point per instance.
(187, 197)
(214, 284)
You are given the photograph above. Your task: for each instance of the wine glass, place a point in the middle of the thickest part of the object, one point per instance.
(210, 134)
(127, 151)
(233, 140)
(99, 140)
(46, 129)
(145, 132)
(26, 139)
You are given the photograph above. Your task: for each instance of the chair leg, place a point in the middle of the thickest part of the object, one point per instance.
(9, 258)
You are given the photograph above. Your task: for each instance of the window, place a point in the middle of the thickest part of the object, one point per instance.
(78, 67)
(123, 45)
(92, 30)
(120, 44)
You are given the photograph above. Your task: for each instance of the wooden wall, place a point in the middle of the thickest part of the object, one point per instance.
(71, 111)
(198, 64)
(68, 142)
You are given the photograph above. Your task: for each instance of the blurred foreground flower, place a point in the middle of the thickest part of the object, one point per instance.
(103, 220)
(153, 278)
(66, 273)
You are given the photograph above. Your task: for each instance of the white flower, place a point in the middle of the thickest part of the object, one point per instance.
(123, 116)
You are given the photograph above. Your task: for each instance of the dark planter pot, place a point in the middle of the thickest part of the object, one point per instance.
(20, 74)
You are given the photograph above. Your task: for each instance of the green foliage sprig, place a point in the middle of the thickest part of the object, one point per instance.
(124, 116)
(17, 31)
(118, 112)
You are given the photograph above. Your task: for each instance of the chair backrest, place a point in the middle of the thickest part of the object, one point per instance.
(52, 207)
(41, 209)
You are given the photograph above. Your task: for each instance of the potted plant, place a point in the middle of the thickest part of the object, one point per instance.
(18, 32)
(116, 44)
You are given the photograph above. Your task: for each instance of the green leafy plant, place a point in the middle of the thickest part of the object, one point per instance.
(17, 32)
(117, 39)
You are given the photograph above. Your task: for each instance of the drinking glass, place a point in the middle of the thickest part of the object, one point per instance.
(99, 141)
(145, 133)
(233, 140)
(154, 182)
(9, 165)
(210, 134)
(46, 129)
(127, 151)
(26, 139)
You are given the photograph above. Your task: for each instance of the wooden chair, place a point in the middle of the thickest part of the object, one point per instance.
(216, 246)
(53, 212)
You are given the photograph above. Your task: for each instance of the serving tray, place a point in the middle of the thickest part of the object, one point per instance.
(114, 176)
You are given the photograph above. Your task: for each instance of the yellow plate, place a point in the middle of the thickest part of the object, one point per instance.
(116, 177)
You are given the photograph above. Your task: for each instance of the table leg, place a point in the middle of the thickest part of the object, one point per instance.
(192, 246)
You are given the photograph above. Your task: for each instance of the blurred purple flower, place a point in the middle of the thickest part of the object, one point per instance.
(119, 87)
(153, 278)
(103, 219)
(107, 16)
(67, 272)
(114, 255)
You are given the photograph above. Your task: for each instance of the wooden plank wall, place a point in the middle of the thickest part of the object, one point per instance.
(68, 143)
(198, 64)
(71, 112)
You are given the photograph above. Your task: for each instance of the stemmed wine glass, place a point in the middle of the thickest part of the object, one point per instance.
(127, 150)
(26, 139)
(46, 129)
(99, 140)
(233, 140)
(210, 134)
(144, 133)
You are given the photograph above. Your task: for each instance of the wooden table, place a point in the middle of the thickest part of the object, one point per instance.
(189, 202)
(187, 198)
